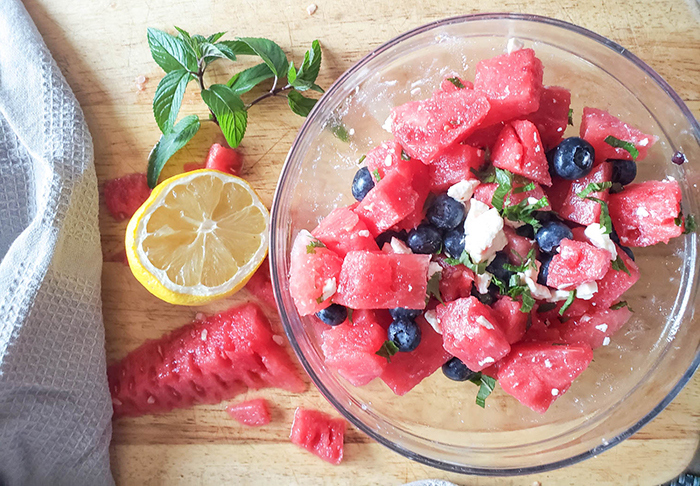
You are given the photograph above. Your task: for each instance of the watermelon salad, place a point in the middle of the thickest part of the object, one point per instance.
(484, 242)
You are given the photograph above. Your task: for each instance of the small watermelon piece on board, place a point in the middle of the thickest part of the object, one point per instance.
(407, 370)
(597, 125)
(260, 285)
(563, 196)
(519, 150)
(513, 323)
(576, 263)
(471, 332)
(313, 274)
(206, 361)
(615, 283)
(343, 231)
(512, 83)
(552, 117)
(376, 280)
(456, 280)
(319, 433)
(124, 195)
(593, 329)
(645, 213)
(223, 159)
(391, 200)
(454, 165)
(425, 128)
(254, 413)
(536, 374)
(350, 347)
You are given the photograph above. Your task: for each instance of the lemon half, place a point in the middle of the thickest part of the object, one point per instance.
(199, 237)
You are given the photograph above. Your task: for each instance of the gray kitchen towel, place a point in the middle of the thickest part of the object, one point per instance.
(55, 410)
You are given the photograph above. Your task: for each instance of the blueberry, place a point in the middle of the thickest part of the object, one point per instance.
(544, 269)
(550, 235)
(405, 333)
(454, 242)
(445, 213)
(627, 250)
(455, 370)
(489, 298)
(425, 239)
(402, 313)
(496, 267)
(333, 315)
(362, 183)
(623, 171)
(388, 235)
(526, 230)
(572, 159)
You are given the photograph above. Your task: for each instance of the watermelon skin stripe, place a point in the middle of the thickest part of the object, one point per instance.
(206, 361)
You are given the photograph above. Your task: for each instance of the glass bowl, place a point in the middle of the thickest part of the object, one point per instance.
(631, 380)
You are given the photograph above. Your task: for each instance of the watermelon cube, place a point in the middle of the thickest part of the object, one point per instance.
(512, 83)
(313, 274)
(407, 370)
(552, 117)
(319, 433)
(644, 214)
(519, 150)
(426, 128)
(594, 329)
(384, 158)
(615, 283)
(565, 201)
(517, 247)
(484, 193)
(456, 281)
(260, 285)
(350, 347)
(454, 165)
(224, 159)
(597, 125)
(419, 175)
(375, 280)
(253, 413)
(343, 231)
(124, 195)
(543, 327)
(391, 200)
(448, 86)
(471, 331)
(536, 374)
(513, 322)
(577, 262)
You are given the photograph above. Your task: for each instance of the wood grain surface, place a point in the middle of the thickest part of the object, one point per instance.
(101, 47)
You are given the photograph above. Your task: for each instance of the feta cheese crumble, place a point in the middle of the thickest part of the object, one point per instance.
(399, 247)
(432, 319)
(434, 268)
(606, 341)
(483, 322)
(483, 280)
(586, 290)
(483, 232)
(596, 235)
(463, 190)
(558, 296)
(329, 288)
(538, 291)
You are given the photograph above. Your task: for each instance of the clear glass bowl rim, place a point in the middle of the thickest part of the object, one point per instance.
(683, 380)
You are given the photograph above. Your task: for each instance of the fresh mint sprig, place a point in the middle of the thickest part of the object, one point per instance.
(623, 144)
(185, 58)
(486, 385)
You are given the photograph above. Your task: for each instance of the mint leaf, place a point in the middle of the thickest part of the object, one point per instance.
(486, 175)
(594, 187)
(229, 111)
(569, 301)
(605, 220)
(466, 260)
(171, 52)
(168, 98)
(313, 244)
(433, 288)
(270, 53)
(338, 129)
(234, 48)
(192, 43)
(619, 265)
(215, 37)
(388, 349)
(404, 155)
(376, 175)
(168, 145)
(620, 305)
(362, 159)
(456, 82)
(530, 186)
(525, 263)
(306, 76)
(571, 117)
(505, 184)
(524, 211)
(528, 302)
(628, 146)
(350, 311)
(249, 78)
(291, 73)
(486, 385)
(690, 224)
(300, 104)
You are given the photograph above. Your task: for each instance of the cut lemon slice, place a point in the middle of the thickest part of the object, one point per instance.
(200, 236)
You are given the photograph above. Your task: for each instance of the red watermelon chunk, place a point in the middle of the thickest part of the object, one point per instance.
(456, 281)
(312, 268)
(391, 200)
(519, 150)
(419, 174)
(224, 159)
(406, 370)
(319, 433)
(471, 332)
(644, 213)
(484, 193)
(253, 413)
(615, 283)
(536, 374)
(454, 165)
(448, 86)
(425, 128)
(384, 158)
(597, 125)
(124, 195)
(513, 322)
(370, 280)
(517, 247)
(565, 201)
(577, 262)
(593, 329)
(260, 285)
(350, 347)
(485, 137)
(206, 361)
(343, 231)
(512, 83)
(552, 116)
(543, 327)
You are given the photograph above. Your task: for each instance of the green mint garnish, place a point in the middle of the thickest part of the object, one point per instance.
(313, 244)
(605, 220)
(377, 177)
(690, 224)
(620, 305)
(569, 301)
(486, 175)
(524, 211)
(466, 260)
(350, 311)
(628, 146)
(388, 349)
(525, 263)
(433, 289)
(456, 82)
(362, 159)
(619, 265)
(404, 155)
(571, 117)
(505, 184)
(486, 385)
(594, 187)
(530, 186)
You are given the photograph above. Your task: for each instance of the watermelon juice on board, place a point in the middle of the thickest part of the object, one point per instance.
(485, 241)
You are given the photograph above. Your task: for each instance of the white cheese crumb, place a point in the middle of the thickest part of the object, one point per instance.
(432, 319)
(351, 132)
(644, 142)
(532, 200)
(596, 235)
(586, 290)
(547, 363)
(606, 341)
(602, 327)
(482, 321)
(558, 296)
(486, 360)
(555, 392)
(642, 213)
(538, 291)
(151, 400)
(463, 190)
(311, 9)
(399, 247)
(204, 335)
(388, 123)
(483, 280)
(513, 45)
(364, 233)
(434, 268)
(388, 160)
(329, 288)
(278, 339)
(483, 232)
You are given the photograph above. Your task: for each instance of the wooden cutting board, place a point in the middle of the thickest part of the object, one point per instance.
(101, 48)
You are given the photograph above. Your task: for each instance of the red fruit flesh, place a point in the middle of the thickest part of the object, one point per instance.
(592, 329)
(563, 196)
(343, 231)
(383, 159)
(449, 86)
(454, 165)
(260, 285)
(513, 323)
(576, 263)
(543, 327)
(517, 247)
(552, 116)
(597, 125)
(319, 433)
(615, 283)
(254, 413)
(391, 200)
(456, 281)
(203, 362)
(124, 195)
(519, 150)
(223, 159)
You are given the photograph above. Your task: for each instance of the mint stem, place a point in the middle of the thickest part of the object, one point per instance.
(274, 91)
(200, 76)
